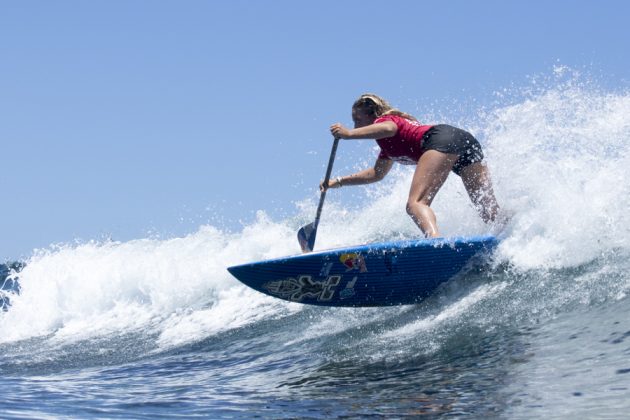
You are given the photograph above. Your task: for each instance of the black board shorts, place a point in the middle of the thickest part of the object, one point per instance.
(452, 140)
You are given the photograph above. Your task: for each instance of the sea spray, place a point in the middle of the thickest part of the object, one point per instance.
(560, 163)
(561, 160)
(96, 289)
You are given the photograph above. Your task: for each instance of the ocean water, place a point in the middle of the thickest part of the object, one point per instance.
(155, 328)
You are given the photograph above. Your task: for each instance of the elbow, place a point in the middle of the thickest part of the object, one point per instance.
(384, 130)
(381, 169)
(389, 129)
(378, 176)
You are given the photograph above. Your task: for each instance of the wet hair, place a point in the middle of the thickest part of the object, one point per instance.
(375, 106)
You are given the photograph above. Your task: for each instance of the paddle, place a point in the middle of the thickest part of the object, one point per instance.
(306, 235)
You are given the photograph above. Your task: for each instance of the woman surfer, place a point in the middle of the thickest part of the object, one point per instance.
(436, 150)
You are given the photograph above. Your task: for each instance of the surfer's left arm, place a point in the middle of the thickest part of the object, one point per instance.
(366, 176)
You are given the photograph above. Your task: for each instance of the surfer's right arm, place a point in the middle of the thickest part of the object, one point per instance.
(366, 176)
(376, 131)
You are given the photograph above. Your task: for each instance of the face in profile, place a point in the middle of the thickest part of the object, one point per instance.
(360, 118)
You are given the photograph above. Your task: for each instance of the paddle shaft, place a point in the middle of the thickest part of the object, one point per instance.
(322, 197)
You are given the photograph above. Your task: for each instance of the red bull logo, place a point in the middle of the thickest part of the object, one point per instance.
(353, 262)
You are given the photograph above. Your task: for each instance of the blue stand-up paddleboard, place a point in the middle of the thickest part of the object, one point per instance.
(379, 274)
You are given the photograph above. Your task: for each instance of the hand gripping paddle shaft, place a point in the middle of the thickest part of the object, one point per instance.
(306, 235)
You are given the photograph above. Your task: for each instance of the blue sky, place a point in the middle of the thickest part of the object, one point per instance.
(136, 118)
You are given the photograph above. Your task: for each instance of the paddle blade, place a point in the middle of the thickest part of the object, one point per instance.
(306, 237)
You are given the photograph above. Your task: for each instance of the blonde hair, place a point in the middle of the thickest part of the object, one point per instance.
(375, 106)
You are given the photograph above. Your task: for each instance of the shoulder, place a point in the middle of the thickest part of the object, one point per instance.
(394, 118)
(399, 120)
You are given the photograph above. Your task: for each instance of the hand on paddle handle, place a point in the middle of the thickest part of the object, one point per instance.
(339, 131)
(332, 183)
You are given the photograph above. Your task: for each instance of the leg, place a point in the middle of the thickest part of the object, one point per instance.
(476, 178)
(431, 172)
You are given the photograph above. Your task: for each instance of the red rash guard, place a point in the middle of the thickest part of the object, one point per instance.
(406, 145)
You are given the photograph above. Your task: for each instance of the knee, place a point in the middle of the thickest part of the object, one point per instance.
(414, 205)
(409, 208)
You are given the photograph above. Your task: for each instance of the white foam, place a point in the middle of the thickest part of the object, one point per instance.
(560, 161)
(449, 313)
(94, 289)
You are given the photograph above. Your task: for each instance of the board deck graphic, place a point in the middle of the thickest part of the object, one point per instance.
(379, 274)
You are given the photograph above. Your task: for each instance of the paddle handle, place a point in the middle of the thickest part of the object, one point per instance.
(333, 152)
